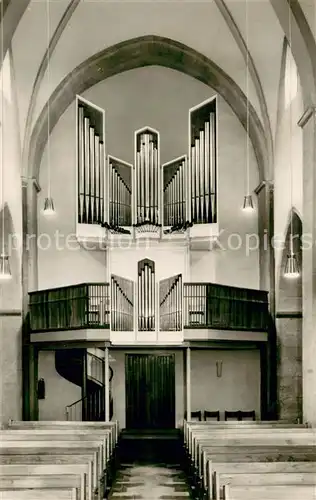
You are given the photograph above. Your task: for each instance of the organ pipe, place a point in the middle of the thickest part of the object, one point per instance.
(174, 196)
(90, 164)
(147, 172)
(203, 163)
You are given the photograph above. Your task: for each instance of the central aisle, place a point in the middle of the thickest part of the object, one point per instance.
(150, 482)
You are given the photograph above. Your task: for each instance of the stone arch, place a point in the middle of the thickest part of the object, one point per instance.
(139, 52)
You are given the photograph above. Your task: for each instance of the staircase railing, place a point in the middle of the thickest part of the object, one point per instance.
(95, 368)
(91, 408)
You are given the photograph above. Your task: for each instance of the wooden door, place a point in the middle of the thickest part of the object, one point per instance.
(150, 391)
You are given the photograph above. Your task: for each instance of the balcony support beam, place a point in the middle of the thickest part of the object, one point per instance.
(188, 382)
(107, 384)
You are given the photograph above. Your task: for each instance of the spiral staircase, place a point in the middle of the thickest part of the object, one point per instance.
(86, 370)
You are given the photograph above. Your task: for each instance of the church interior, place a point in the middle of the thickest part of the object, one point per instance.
(157, 261)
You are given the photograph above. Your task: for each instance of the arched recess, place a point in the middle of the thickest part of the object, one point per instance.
(139, 52)
(289, 329)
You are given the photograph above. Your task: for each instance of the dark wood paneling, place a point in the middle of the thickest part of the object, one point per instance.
(150, 391)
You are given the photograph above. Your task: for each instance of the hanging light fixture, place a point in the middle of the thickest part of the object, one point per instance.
(291, 269)
(49, 207)
(248, 202)
(5, 271)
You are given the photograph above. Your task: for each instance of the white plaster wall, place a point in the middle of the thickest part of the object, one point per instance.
(59, 391)
(288, 176)
(118, 384)
(237, 389)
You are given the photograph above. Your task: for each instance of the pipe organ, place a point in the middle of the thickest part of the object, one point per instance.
(202, 138)
(90, 155)
(120, 183)
(146, 195)
(170, 304)
(147, 172)
(174, 192)
(146, 295)
(122, 304)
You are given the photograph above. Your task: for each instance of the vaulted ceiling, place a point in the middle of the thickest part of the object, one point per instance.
(77, 30)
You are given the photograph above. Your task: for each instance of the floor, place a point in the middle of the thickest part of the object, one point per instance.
(150, 482)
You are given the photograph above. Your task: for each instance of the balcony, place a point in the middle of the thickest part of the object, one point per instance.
(184, 312)
(209, 306)
(82, 308)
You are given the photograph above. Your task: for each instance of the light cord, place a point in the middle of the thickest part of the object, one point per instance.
(291, 131)
(2, 130)
(48, 104)
(247, 94)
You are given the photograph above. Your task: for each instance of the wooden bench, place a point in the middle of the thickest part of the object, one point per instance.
(40, 494)
(80, 435)
(50, 448)
(220, 474)
(51, 424)
(50, 476)
(241, 443)
(285, 492)
(52, 459)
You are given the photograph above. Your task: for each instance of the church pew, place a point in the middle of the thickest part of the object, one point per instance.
(35, 483)
(278, 424)
(50, 448)
(64, 424)
(52, 460)
(68, 435)
(291, 492)
(51, 475)
(250, 453)
(214, 479)
(40, 494)
(109, 429)
(262, 479)
(197, 431)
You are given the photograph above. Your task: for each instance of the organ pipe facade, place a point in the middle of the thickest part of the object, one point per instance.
(170, 304)
(147, 177)
(202, 160)
(120, 192)
(90, 163)
(174, 192)
(146, 296)
(122, 304)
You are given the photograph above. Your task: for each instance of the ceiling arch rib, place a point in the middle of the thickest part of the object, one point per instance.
(12, 13)
(42, 70)
(136, 53)
(252, 71)
(303, 46)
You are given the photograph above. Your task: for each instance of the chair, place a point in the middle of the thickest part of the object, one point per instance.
(247, 415)
(196, 415)
(211, 414)
(235, 415)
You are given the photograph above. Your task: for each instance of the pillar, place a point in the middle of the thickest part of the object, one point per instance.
(188, 382)
(84, 392)
(308, 124)
(107, 384)
(33, 381)
(265, 199)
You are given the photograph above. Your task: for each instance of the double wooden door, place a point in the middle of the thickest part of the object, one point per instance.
(150, 391)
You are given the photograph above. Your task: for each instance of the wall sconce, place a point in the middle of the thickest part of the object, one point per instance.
(41, 389)
(219, 368)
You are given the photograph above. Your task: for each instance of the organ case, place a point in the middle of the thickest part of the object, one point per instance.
(203, 162)
(91, 172)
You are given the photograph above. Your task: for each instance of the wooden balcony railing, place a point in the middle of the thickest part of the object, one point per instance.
(208, 305)
(66, 308)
